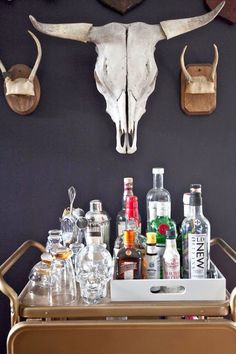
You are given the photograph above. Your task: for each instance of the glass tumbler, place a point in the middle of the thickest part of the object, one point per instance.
(40, 282)
(63, 290)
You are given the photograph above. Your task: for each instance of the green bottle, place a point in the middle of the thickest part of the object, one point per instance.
(160, 226)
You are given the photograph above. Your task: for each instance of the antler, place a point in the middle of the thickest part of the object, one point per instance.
(39, 56)
(183, 67)
(76, 31)
(3, 69)
(215, 63)
(173, 28)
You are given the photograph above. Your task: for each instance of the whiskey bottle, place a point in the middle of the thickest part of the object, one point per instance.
(152, 258)
(128, 259)
(158, 198)
(196, 240)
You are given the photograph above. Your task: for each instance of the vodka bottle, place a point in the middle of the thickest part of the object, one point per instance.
(158, 198)
(186, 206)
(120, 219)
(196, 240)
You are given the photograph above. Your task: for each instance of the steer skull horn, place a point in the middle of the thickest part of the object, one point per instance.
(126, 70)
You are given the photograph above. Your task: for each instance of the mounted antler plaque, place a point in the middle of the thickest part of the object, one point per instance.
(198, 86)
(121, 5)
(21, 85)
(229, 10)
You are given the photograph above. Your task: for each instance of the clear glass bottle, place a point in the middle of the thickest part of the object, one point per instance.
(196, 240)
(54, 239)
(152, 258)
(120, 219)
(158, 198)
(94, 270)
(129, 259)
(186, 207)
(96, 214)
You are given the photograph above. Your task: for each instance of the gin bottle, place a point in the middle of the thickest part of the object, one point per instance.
(158, 198)
(120, 219)
(195, 240)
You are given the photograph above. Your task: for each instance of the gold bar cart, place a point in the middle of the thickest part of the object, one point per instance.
(112, 328)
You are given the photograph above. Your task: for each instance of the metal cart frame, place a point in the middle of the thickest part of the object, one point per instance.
(109, 328)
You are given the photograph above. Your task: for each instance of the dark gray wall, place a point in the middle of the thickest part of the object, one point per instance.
(70, 140)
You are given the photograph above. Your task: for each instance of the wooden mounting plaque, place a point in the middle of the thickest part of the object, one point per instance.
(22, 104)
(121, 6)
(197, 104)
(229, 10)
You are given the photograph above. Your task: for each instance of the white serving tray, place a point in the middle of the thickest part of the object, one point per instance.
(213, 289)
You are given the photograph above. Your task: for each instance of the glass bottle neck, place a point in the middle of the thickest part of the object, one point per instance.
(171, 243)
(127, 192)
(196, 211)
(158, 181)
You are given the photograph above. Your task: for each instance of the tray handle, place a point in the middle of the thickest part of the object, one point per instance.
(231, 253)
(5, 288)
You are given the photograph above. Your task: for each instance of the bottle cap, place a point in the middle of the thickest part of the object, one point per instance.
(95, 205)
(196, 188)
(151, 238)
(195, 199)
(129, 237)
(128, 180)
(158, 171)
(186, 198)
(170, 234)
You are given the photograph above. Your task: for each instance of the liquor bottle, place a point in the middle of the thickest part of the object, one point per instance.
(120, 219)
(171, 257)
(129, 259)
(158, 198)
(152, 258)
(160, 226)
(186, 205)
(96, 214)
(196, 240)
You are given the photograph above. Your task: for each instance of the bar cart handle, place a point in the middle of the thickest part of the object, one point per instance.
(5, 288)
(231, 253)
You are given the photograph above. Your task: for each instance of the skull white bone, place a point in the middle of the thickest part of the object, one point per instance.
(126, 71)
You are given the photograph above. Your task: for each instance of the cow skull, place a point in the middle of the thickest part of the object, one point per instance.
(22, 86)
(126, 71)
(200, 84)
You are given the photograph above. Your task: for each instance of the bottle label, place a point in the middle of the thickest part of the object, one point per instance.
(128, 268)
(197, 255)
(159, 209)
(121, 228)
(171, 268)
(153, 266)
